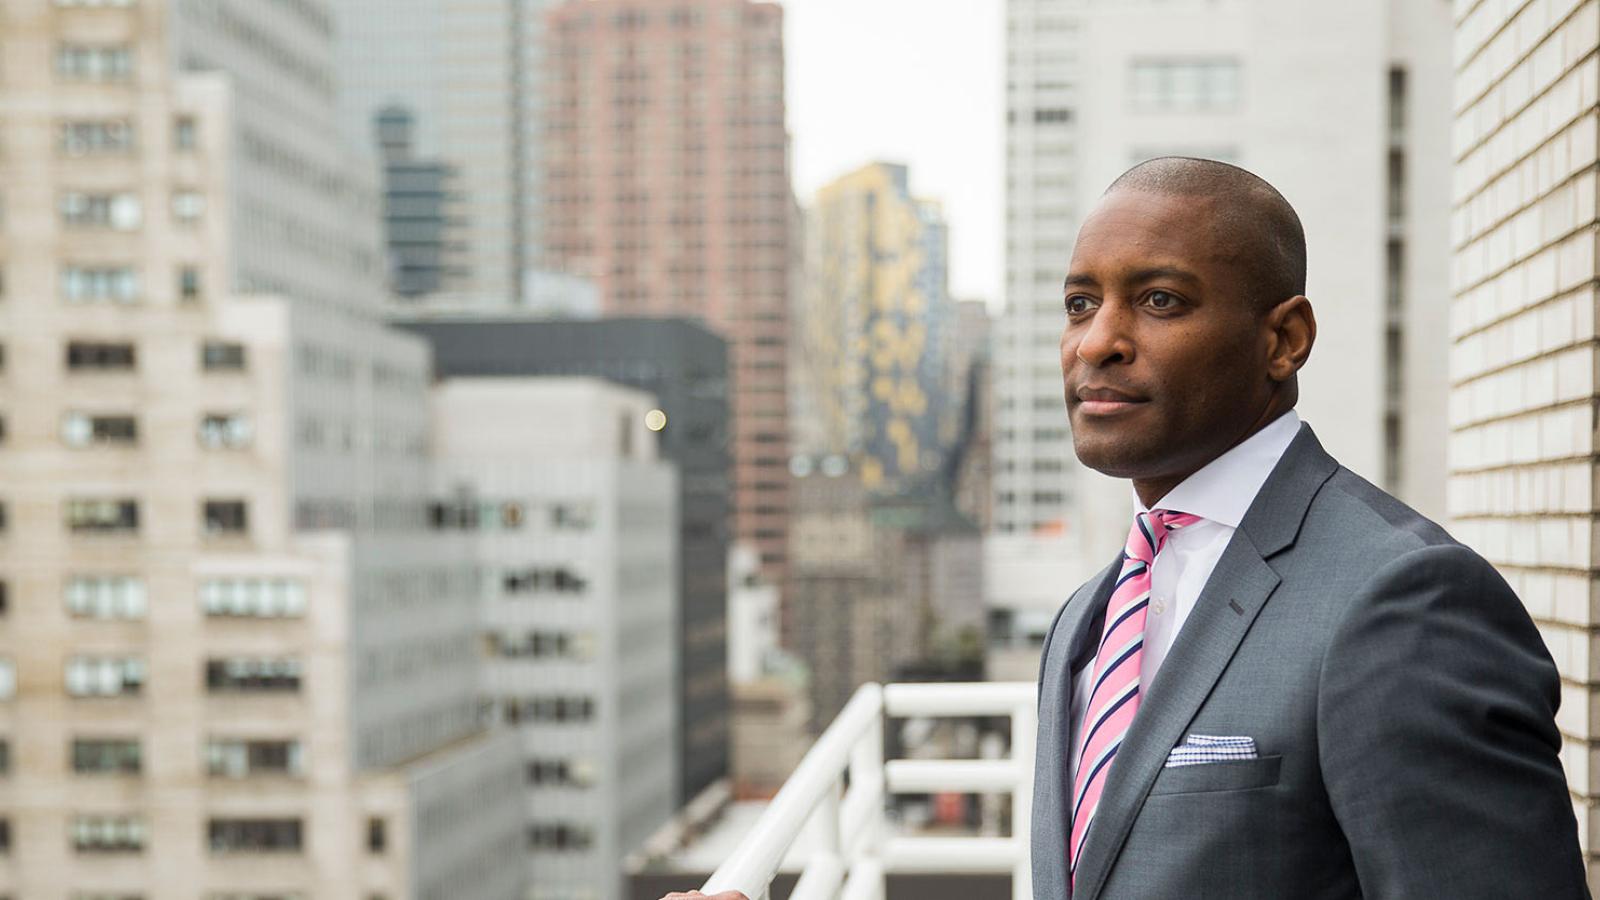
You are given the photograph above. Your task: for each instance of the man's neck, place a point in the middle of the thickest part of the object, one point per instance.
(1151, 490)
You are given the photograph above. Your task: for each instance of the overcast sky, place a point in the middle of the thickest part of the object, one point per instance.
(913, 81)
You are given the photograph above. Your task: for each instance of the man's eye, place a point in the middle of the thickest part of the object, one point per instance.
(1077, 303)
(1161, 300)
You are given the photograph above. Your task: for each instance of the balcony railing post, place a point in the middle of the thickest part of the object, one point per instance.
(1024, 732)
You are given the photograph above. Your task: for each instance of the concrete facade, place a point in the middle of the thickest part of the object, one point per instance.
(685, 367)
(278, 718)
(1523, 443)
(578, 536)
(667, 183)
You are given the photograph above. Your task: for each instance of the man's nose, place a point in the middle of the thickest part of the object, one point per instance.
(1105, 340)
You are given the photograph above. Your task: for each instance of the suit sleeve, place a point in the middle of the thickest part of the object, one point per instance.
(1437, 737)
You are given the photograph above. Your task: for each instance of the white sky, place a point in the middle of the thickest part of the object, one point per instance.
(919, 82)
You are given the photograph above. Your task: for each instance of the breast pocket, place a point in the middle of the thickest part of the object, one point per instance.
(1227, 775)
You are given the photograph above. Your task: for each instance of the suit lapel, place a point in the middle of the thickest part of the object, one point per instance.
(1238, 588)
(1055, 714)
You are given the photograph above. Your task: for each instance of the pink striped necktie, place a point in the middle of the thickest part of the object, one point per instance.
(1114, 699)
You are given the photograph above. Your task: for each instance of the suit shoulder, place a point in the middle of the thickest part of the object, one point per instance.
(1368, 524)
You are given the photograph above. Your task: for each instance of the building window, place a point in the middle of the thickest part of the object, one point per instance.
(548, 709)
(551, 579)
(120, 212)
(377, 835)
(86, 430)
(187, 207)
(105, 676)
(561, 772)
(106, 355)
(254, 835)
(224, 517)
(5, 756)
(5, 597)
(257, 598)
(108, 834)
(253, 675)
(225, 431)
(544, 644)
(95, 4)
(1178, 85)
(559, 836)
(100, 284)
(229, 758)
(107, 756)
(218, 356)
(184, 133)
(8, 679)
(102, 515)
(189, 284)
(97, 137)
(92, 62)
(106, 596)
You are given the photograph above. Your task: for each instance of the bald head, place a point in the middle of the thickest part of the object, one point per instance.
(1252, 225)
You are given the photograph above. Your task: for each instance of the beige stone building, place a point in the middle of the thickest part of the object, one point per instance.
(1523, 360)
(235, 661)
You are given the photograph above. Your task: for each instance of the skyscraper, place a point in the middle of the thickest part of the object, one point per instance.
(1523, 444)
(667, 183)
(684, 367)
(238, 657)
(875, 332)
(577, 514)
(468, 74)
(1344, 109)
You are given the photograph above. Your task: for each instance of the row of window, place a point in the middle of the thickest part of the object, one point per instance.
(216, 431)
(120, 285)
(125, 597)
(214, 355)
(543, 644)
(124, 676)
(110, 137)
(556, 708)
(123, 210)
(224, 757)
(465, 514)
(121, 516)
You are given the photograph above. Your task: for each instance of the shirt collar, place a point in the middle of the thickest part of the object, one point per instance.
(1224, 489)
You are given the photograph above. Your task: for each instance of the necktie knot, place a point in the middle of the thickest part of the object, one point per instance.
(1150, 532)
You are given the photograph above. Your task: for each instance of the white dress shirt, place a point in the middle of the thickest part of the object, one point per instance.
(1219, 494)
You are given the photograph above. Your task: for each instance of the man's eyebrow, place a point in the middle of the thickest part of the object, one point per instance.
(1138, 276)
(1155, 272)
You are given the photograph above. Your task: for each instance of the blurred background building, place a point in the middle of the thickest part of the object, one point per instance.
(667, 183)
(685, 368)
(578, 540)
(1523, 357)
(874, 335)
(241, 659)
(469, 77)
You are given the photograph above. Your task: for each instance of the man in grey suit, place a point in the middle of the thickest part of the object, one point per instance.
(1290, 685)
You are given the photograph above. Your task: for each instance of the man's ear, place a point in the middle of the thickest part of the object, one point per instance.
(1291, 330)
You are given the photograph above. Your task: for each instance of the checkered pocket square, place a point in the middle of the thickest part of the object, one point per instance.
(1198, 749)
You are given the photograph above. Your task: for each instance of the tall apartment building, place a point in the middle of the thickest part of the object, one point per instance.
(1342, 107)
(468, 73)
(238, 661)
(578, 524)
(667, 182)
(684, 366)
(420, 210)
(1522, 442)
(875, 333)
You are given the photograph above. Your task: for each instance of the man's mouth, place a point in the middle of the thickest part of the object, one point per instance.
(1105, 401)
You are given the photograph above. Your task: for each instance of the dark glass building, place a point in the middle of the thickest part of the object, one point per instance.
(686, 367)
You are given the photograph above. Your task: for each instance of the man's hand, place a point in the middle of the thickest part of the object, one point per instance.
(691, 895)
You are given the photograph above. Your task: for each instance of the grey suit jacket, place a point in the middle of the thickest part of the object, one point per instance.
(1401, 701)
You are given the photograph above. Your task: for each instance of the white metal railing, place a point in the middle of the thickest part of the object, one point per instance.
(854, 852)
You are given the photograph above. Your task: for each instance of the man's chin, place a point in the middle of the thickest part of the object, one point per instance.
(1116, 459)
